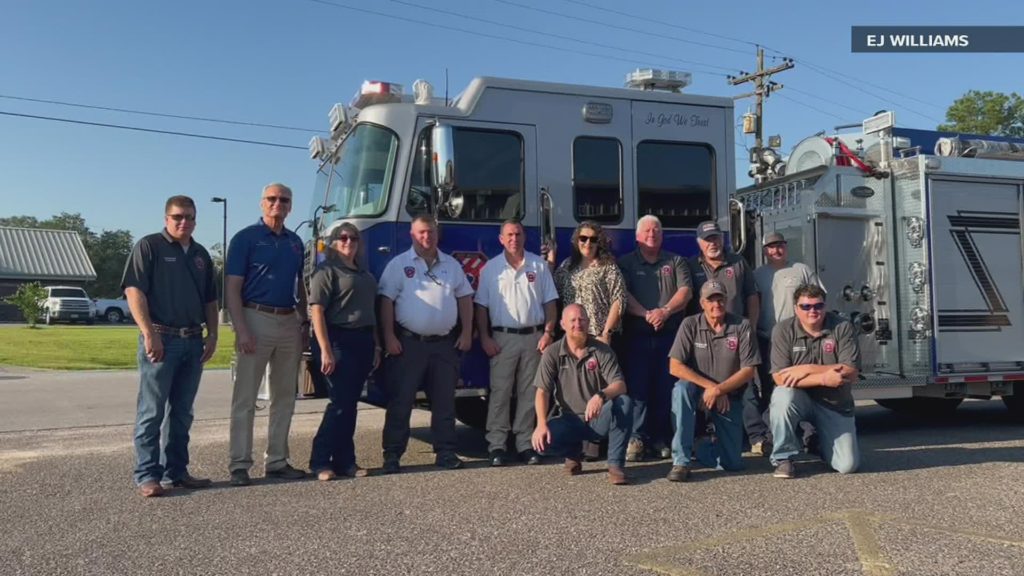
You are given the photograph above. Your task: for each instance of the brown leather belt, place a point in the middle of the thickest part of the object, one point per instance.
(269, 309)
(527, 330)
(188, 332)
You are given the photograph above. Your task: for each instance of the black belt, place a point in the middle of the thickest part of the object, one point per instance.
(188, 332)
(422, 337)
(269, 309)
(350, 328)
(527, 330)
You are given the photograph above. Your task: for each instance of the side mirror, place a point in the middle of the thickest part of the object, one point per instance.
(453, 207)
(442, 140)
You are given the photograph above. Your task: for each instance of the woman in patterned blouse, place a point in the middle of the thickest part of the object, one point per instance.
(589, 277)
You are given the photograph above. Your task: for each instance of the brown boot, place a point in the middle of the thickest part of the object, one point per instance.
(151, 489)
(617, 476)
(573, 467)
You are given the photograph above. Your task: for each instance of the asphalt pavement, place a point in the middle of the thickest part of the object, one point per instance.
(932, 498)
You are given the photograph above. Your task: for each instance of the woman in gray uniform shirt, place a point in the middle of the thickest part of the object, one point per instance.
(341, 297)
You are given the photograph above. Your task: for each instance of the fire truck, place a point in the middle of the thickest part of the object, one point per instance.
(550, 154)
(916, 235)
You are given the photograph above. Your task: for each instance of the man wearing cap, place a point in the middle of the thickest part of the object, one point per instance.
(583, 376)
(776, 281)
(658, 290)
(168, 281)
(815, 361)
(424, 293)
(516, 311)
(730, 270)
(268, 313)
(714, 356)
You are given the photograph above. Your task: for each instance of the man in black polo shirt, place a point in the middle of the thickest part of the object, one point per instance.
(815, 361)
(582, 374)
(715, 356)
(168, 281)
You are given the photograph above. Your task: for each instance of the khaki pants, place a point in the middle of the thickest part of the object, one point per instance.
(278, 343)
(512, 372)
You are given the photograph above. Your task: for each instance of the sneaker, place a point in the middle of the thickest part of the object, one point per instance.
(661, 450)
(391, 465)
(326, 475)
(635, 450)
(286, 473)
(678, 474)
(354, 471)
(617, 476)
(448, 461)
(572, 467)
(240, 478)
(785, 469)
(762, 448)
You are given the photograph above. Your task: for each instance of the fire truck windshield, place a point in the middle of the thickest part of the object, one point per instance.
(360, 178)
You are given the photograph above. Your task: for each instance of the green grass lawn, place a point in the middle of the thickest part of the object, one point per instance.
(85, 347)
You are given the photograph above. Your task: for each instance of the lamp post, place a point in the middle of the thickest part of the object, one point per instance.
(223, 260)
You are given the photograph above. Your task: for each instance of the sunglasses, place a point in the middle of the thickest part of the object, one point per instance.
(430, 275)
(817, 307)
(346, 238)
(278, 199)
(180, 217)
(587, 239)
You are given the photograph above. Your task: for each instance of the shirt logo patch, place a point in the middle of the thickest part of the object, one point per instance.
(666, 270)
(729, 273)
(700, 345)
(531, 277)
(592, 364)
(170, 259)
(200, 263)
(828, 345)
(732, 343)
(409, 271)
(799, 349)
(297, 247)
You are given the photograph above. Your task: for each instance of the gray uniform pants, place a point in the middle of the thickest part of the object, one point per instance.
(512, 372)
(437, 365)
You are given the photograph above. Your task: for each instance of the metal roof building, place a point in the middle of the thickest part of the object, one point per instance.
(31, 254)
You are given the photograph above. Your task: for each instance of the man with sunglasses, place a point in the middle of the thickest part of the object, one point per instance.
(815, 361)
(268, 312)
(424, 296)
(168, 281)
(777, 279)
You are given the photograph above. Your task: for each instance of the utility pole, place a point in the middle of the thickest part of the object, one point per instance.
(763, 88)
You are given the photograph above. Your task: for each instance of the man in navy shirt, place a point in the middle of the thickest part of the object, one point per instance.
(264, 266)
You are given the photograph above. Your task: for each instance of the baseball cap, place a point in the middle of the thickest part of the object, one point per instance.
(707, 229)
(710, 288)
(774, 238)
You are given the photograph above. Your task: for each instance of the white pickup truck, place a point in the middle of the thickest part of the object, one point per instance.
(67, 304)
(113, 311)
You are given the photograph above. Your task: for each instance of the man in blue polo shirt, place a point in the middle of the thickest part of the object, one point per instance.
(264, 266)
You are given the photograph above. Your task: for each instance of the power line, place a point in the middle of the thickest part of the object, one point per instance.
(158, 114)
(626, 28)
(815, 108)
(152, 130)
(481, 34)
(834, 103)
(560, 37)
(821, 71)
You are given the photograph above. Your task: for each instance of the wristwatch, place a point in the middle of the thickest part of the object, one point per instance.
(600, 394)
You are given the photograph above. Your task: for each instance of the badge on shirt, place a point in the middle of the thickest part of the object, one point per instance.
(409, 271)
(732, 343)
(799, 349)
(200, 263)
(828, 346)
(592, 364)
(666, 270)
(170, 259)
(531, 277)
(729, 273)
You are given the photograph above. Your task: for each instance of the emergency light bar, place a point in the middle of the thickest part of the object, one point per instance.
(653, 79)
(377, 92)
(338, 117)
(318, 148)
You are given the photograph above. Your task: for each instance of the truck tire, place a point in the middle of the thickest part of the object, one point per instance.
(472, 411)
(1015, 403)
(114, 315)
(921, 406)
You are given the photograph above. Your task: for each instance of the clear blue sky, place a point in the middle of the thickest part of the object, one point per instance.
(286, 62)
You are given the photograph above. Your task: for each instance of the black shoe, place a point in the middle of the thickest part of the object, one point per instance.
(287, 473)
(391, 465)
(498, 458)
(530, 457)
(240, 478)
(189, 481)
(448, 461)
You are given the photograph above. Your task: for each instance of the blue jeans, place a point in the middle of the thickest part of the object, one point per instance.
(645, 363)
(726, 450)
(171, 383)
(836, 432)
(333, 445)
(569, 431)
